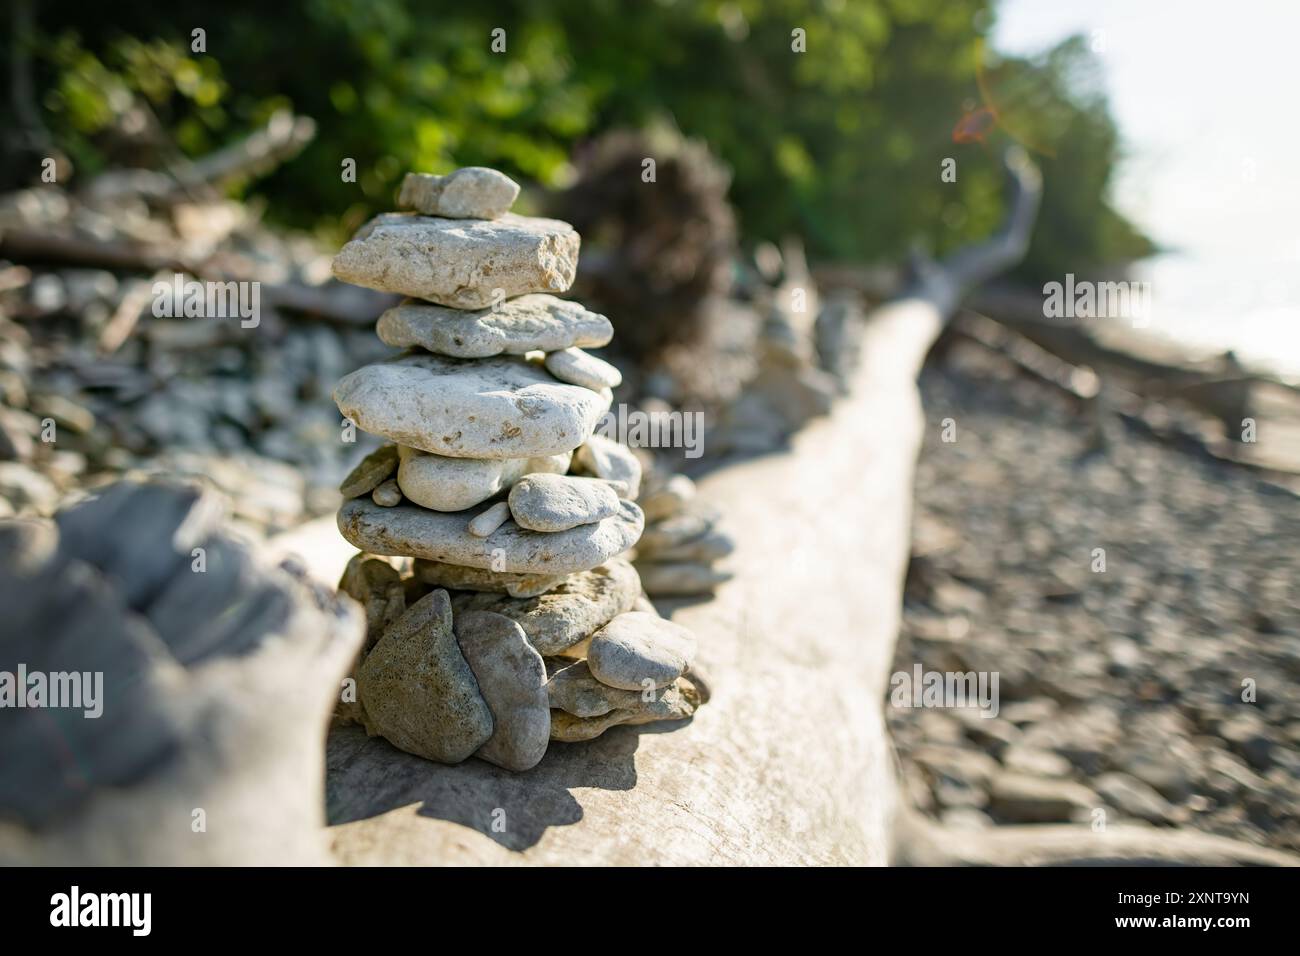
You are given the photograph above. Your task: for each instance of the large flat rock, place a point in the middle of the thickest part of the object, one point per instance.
(501, 407)
(463, 263)
(416, 532)
(528, 323)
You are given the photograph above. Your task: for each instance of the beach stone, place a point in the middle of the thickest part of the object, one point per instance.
(549, 502)
(570, 613)
(1133, 797)
(517, 326)
(678, 701)
(490, 520)
(421, 533)
(501, 407)
(571, 688)
(681, 579)
(373, 471)
(473, 192)
(675, 531)
(512, 679)
(711, 546)
(608, 459)
(668, 498)
(577, 367)
(460, 578)
(387, 495)
(377, 587)
(637, 647)
(465, 264)
(418, 692)
(1023, 799)
(454, 484)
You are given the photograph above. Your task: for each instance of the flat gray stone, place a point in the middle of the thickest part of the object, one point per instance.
(528, 323)
(473, 192)
(420, 533)
(577, 367)
(512, 678)
(460, 578)
(572, 689)
(713, 545)
(417, 691)
(454, 484)
(680, 579)
(637, 649)
(605, 458)
(678, 701)
(463, 263)
(372, 472)
(501, 407)
(551, 502)
(569, 614)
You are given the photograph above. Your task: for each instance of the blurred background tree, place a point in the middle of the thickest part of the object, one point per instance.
(843, 143)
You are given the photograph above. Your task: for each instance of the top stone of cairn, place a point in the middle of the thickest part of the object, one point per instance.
(474, 192)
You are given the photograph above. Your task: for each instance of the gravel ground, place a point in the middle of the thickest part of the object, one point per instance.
(1120, 690)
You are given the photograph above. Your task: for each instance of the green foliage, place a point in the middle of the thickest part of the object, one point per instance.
(842, 143)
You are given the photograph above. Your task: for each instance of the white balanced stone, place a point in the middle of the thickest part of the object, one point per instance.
(551, 502)
(413, 531)
(454, 484)
(474, 192)
(577, 367)
(463, 263)
(500, 407)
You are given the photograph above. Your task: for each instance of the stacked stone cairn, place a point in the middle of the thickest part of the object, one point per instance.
(516, 620)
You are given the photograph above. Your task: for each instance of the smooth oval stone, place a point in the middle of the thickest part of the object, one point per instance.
(372, 472)
(637, 647)
(577, 367)
(551, 503)
(462, 263)
(608, 459)
(512, 678)
(460, 578)
(678, 701)
(564, 617)
(499, 407)
(516, 327)
(416, 689)
(472, 192)
(490, 520)
(420, 533)
(454, 484)
(387, 495)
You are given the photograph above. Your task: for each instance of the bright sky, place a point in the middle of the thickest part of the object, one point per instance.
(1207, 97)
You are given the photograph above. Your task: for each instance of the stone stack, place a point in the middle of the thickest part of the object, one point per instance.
(679, 551)
(517, 622)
